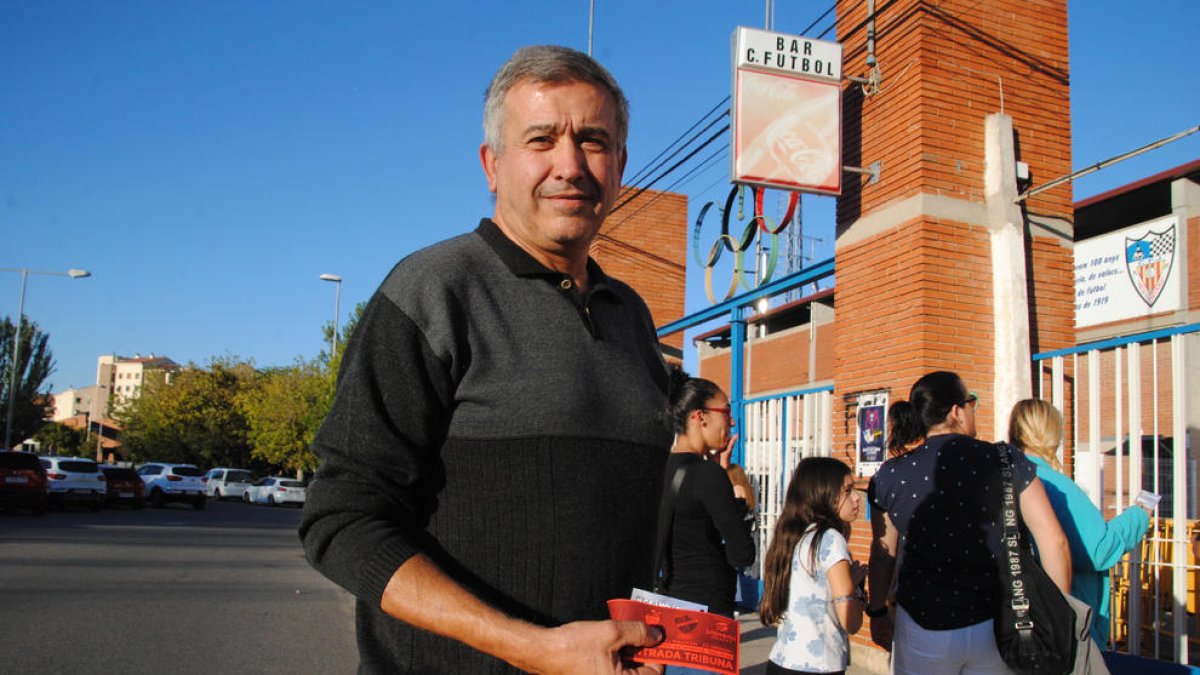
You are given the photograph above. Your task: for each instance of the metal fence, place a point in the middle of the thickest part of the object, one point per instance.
(777, 432)
(1130, 407)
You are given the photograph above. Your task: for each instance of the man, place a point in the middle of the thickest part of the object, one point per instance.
(492, 464)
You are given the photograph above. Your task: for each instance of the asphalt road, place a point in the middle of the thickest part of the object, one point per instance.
(174, 590)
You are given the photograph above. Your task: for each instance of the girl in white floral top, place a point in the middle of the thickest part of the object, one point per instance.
(812, 587)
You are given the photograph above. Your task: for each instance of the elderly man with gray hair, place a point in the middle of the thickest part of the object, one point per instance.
(492, 464)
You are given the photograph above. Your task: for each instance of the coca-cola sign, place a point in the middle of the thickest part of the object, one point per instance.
(787, 110)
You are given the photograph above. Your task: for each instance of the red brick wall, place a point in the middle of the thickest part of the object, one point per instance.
(776, 363)
(911, 300)
(918, 298)
(644, 244)
(1051, 295)
(946, 66)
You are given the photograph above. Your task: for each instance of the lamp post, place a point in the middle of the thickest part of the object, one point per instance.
(12, 380)
(337, 301)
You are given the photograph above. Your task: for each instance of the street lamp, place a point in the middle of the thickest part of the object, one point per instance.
(12, 380)
(337, 300)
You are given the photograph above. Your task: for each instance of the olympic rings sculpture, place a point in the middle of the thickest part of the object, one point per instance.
(759, 222)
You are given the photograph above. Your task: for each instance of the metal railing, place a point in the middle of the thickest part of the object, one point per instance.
(1128, 403)
(777, 432)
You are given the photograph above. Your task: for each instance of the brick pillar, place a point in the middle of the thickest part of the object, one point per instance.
(914, 261)
(644, 244)
(915, 289)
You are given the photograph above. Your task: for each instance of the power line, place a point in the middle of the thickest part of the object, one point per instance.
(702, 166)
(674, 154)
(654, 172)
(720, 132)
(648, 169)
(819, 20)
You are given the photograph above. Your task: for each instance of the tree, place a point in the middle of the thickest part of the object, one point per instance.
(284, 411)
(332, 362)
(192, 418)
(35, 365)
(288, 405)
(60, 439)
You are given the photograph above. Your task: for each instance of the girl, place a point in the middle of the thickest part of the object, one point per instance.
(812, 587)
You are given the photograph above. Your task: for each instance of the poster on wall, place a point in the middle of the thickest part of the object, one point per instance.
(787, 112)
(871, 436)
(1127, 274)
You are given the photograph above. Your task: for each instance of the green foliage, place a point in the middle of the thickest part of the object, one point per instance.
(60, 439)
(346, 331)
(234, 415)
(284, 411)
(34, 366)
(192, 416)
(289, 404)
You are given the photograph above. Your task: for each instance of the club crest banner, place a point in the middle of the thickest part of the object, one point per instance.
(1127, 274)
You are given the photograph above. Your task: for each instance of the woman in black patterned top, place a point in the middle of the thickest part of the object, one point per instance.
(939, 509)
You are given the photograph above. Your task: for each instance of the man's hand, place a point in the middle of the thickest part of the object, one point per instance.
(593, 648)
(420, 594)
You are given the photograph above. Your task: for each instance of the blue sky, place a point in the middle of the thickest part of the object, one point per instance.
(207, 160)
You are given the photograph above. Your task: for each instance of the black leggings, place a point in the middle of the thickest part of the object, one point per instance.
(776, 669)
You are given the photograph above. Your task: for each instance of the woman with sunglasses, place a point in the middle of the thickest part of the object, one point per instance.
(707, 536)
(939, 509)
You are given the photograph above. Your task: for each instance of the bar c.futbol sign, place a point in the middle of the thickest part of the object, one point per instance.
(787, 112)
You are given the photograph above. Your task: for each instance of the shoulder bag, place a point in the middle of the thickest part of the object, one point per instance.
(1035, 627)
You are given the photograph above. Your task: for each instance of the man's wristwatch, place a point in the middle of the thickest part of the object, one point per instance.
(876, 613)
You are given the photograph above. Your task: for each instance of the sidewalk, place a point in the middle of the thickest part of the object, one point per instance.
(757, 640)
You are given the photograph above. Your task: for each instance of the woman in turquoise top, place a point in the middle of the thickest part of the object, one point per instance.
(1096, 545)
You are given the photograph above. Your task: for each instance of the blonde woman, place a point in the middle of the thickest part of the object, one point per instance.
(1036, 427)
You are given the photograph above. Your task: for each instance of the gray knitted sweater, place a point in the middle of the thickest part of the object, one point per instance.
(491, 420)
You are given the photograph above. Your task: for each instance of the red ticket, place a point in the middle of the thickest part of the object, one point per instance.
(694, 639)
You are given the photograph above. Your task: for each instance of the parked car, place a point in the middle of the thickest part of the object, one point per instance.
(275, 490)
(124, 486)
(173, 483)
(23, 482)
(225, 483)
(75, 480)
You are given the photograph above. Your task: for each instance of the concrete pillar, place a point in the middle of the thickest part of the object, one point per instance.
(1011, 381)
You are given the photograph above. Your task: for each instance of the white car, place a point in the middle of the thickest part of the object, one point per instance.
(275, 490)
(75, 479)
(226, 483)
(173, 483)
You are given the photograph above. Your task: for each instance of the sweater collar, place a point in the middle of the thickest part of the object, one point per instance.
(521, 264)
